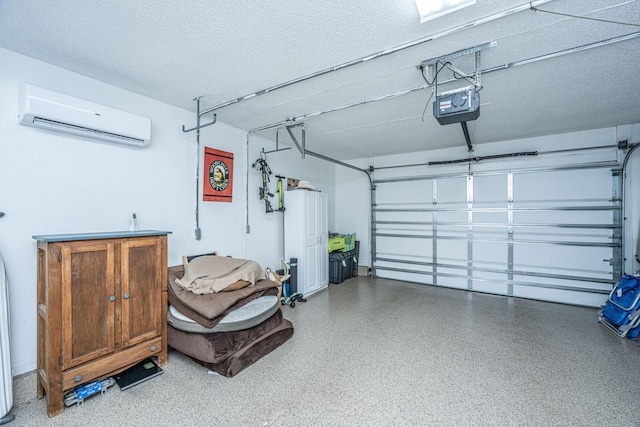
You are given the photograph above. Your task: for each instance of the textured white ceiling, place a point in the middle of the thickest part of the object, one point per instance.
(174, 51)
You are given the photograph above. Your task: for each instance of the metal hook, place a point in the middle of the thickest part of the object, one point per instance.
(215, 118)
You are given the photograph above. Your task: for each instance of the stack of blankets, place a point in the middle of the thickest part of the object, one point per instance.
(223, 314)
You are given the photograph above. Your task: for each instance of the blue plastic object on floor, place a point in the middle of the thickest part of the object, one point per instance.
(621, 314)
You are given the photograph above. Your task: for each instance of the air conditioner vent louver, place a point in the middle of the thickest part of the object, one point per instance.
(79, 129)
(55, 111)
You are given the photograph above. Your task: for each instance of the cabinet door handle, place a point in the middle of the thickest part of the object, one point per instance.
(126, 296)
(78, 378)
(112, 298)
(153, 348)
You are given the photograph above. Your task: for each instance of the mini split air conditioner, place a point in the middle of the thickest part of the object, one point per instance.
(55, 111)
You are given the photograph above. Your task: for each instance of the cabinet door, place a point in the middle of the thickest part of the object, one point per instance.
(141, 290)
(322, 218)
(323, 241)
(88, 301)
(323, 264)
(316, 241)
(310, 220)
(311, 283)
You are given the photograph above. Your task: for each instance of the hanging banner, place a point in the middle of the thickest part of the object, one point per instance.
(218, 175)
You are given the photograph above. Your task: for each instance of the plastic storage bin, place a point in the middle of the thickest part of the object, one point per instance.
(343, 265)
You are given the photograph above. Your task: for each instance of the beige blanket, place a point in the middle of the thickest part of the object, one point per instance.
(210, 274)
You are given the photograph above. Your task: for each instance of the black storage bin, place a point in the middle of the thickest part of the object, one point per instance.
(339, 267)
(343, 265)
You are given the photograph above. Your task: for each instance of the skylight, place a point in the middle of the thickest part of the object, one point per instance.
(431, 9)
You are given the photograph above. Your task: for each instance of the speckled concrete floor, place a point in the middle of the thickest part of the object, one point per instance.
(374, 352)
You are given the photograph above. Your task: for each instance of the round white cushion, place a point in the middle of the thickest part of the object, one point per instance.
(249, 315)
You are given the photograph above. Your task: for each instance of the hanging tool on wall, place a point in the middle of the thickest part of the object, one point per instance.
(280, 193)
(261, 165)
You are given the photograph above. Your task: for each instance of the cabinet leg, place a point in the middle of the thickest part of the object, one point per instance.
(55, 403)
(162, 358)
(40, 387)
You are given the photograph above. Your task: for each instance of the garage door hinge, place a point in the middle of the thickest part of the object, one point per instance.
(623, 145)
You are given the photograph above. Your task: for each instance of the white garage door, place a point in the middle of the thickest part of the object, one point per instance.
(549, 233)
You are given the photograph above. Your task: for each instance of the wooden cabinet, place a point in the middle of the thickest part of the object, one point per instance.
(306, 238)
(102, 302)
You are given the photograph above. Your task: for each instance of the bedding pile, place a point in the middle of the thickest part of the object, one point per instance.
(222, 315)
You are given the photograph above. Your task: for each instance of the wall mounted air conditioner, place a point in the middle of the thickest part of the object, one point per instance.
(52, 110)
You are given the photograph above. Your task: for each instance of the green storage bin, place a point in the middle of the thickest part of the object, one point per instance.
(342, 242)
(336, 244)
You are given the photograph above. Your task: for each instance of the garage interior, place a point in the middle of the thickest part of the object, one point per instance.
(486, 159)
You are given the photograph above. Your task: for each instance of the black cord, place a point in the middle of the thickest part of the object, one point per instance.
(437, 72)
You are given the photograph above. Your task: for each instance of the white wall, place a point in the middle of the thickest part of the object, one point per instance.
(353, 206)
(352, 190)
(56, 183)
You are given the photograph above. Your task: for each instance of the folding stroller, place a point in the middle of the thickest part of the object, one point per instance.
(621, 314)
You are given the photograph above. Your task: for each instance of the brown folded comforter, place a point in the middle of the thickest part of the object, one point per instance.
(218, 346)
(251, 352)
(209, 309)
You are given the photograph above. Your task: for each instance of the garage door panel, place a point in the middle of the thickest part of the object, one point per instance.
(558, 295)
(490, 190)
(490, 283)
(402, 216)
(495, 218)
(405, 192)
(407, 277)
(394, 247)
(562, 217)
(451, 191)
(452, 282)
(490, 254)
(561, 259)
(452, 249)
(562, 185)
(555, 283)
(452, 217)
